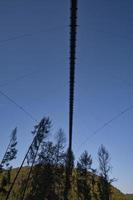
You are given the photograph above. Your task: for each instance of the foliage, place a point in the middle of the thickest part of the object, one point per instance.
(45, 176)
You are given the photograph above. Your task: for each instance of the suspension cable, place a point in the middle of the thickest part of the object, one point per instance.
(73, 27)
(73, 32)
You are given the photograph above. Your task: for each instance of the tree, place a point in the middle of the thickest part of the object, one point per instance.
(83, 176)
(48, 173)
(59, 167)
(11, 150)
(60, 141)
(43, 173)
(41, 131)
(5, 166)
(105, 168)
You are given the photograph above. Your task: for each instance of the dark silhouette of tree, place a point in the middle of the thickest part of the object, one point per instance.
(60, 157)
(84, 176)
(43, 173)
(60, 145)
(11, 150)
(104, 168)
(5, 166)
(41, 132)
(48, 173)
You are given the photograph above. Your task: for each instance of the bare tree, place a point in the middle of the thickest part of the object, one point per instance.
(104, 168)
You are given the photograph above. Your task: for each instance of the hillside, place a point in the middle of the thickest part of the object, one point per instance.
(129, 196)
(116, 194)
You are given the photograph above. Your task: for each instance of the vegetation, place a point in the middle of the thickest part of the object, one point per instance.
(5, 166)
(44, 177)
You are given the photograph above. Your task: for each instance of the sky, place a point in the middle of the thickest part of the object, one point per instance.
(34, 72)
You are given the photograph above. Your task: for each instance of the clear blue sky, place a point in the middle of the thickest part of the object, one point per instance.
(104, 71)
